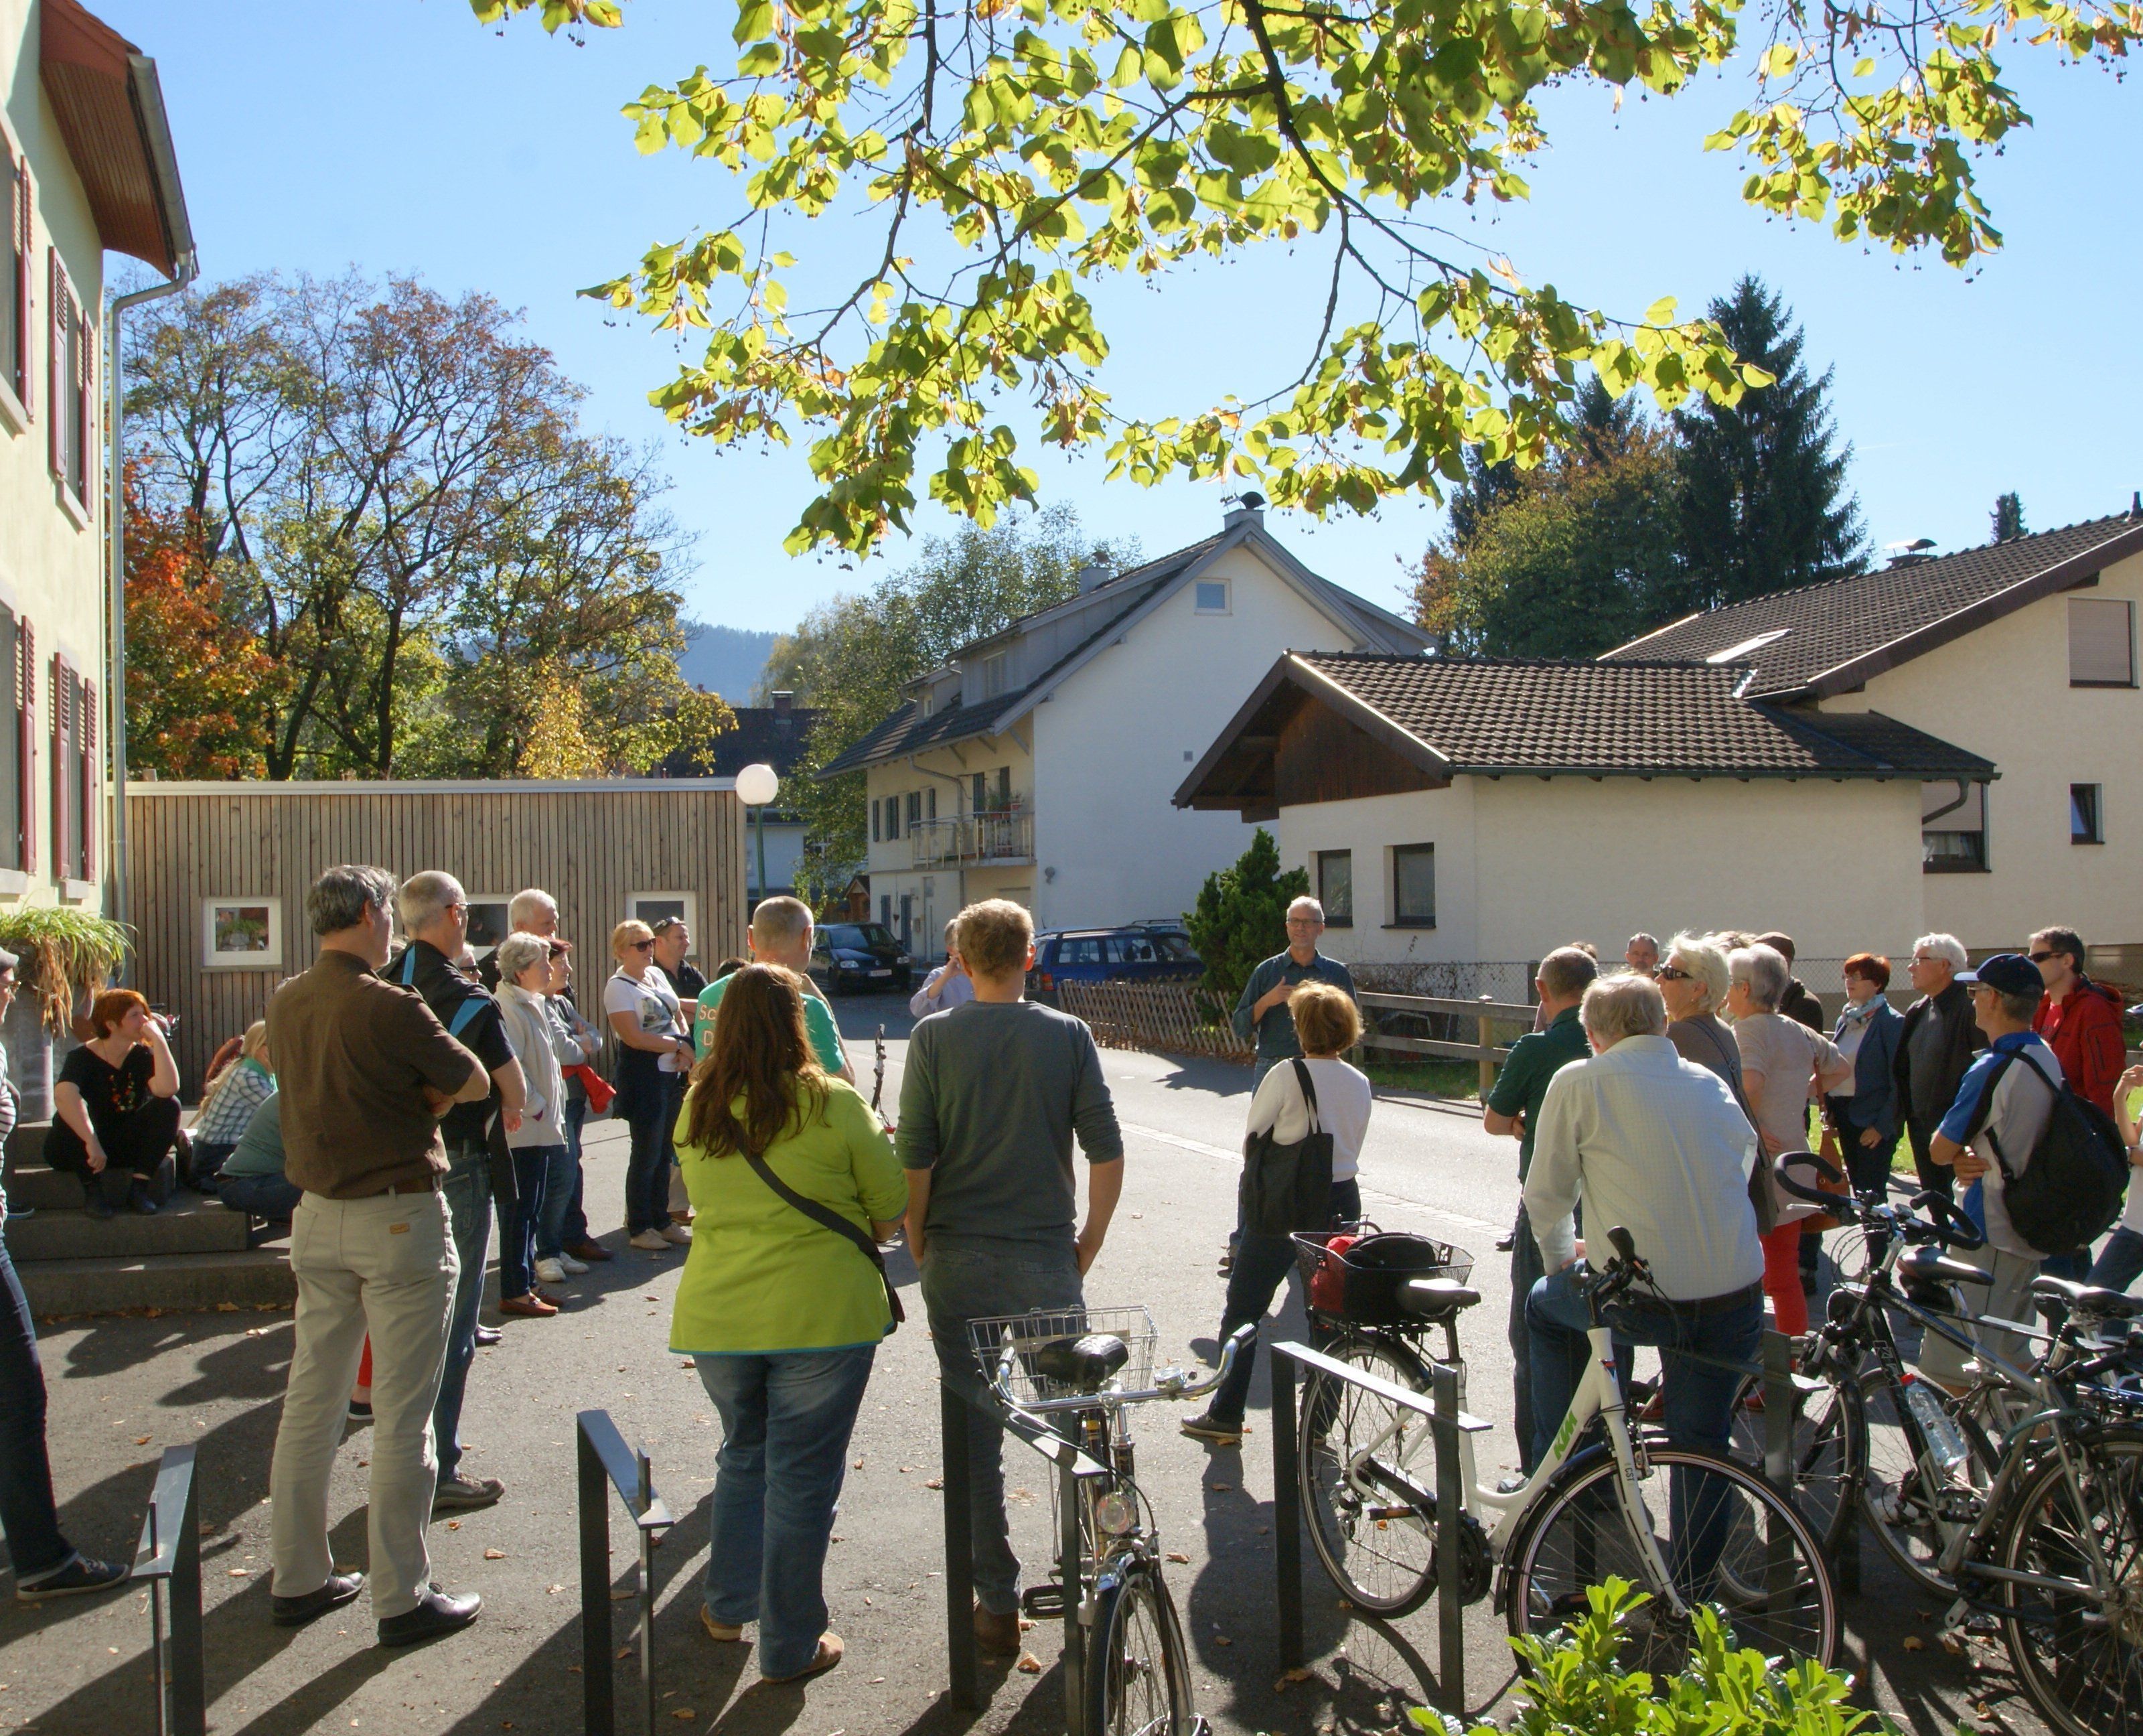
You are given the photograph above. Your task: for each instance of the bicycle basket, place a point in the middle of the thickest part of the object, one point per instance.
(1029, 1331)
(1358, 1280)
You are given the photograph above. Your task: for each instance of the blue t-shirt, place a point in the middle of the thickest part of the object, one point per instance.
(1967, 1112)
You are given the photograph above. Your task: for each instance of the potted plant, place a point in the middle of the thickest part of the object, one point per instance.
(67, 955)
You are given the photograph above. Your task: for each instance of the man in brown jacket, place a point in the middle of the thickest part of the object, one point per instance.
(365, 1070)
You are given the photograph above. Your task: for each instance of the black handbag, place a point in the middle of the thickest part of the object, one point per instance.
(1288, 1187)
(826, 1216)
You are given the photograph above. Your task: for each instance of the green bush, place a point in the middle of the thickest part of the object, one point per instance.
(1241, 917)
(1577, 1688)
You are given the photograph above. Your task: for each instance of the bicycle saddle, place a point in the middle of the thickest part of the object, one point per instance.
(1436, 1298)
(1931, 1266)
(1085, 1364)
(2088, 1299)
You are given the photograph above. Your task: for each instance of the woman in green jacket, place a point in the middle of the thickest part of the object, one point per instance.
(781, 1314)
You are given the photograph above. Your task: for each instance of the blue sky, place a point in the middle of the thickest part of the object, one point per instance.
(398, 134)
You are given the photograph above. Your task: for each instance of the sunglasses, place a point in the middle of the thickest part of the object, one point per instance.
(641, 945)
(1668, 973)
(2040, 958)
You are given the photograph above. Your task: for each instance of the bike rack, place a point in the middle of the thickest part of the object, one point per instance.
(604, 1457)
(1447, 1423)
(169, 1549)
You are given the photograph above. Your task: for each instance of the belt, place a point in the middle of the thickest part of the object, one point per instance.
(429, 1184)
(1703, 1305)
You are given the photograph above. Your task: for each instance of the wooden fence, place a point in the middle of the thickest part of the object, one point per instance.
(1176, 1018)
(1484, 1015)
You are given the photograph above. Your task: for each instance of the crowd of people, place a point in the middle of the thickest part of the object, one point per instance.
(392, 1101)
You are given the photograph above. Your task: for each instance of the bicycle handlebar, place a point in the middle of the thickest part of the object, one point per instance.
(1949, 1225)
(1174, 1384)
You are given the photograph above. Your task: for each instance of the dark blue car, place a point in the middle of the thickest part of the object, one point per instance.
(1139, 952)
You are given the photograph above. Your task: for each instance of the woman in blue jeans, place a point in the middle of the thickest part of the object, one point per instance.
(654, 1046)
(780, 1312)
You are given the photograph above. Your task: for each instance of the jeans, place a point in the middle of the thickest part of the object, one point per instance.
(2074, 1265)
(261, 1196)
(786, 1418)
(1526, 1272)
(468, 1191)
(1262, 1265)
(559, 1192)
(1699, 1396)
(28, 1518)
(960, 1284)
(517, 1229)
(2120, 1263)
(574, 1225)
(647, 1165)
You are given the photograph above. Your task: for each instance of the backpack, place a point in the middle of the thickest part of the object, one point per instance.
(1288, 1187)
(2073, 1188)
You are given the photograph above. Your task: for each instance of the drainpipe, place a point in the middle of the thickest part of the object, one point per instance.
(115, 688)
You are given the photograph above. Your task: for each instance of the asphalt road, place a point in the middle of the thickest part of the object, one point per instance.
(123, 1387)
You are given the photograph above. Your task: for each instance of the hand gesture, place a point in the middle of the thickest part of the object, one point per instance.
(1870, 1138)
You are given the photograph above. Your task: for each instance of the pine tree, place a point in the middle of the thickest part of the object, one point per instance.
(1241, 917)
(1764, 502)
(2008, 517)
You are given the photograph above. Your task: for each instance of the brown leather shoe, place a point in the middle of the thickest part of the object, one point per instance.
(997, 1632)
(530, 1307)
(590, 1250)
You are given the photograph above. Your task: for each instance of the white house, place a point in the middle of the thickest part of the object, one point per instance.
(1039, 764)
(1941, 743)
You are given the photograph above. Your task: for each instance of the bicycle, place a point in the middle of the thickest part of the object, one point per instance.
(1088, 1366)
(2043, 1530)
(1590, 1510)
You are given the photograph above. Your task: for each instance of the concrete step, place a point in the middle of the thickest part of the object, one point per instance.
(186, 1224)
(259, 1277)
(45, 1189)
(26, 1144)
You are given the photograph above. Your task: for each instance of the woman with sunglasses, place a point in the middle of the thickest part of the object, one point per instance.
(653, 1047)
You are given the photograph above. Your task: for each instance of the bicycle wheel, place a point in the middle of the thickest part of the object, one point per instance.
(1826, 1448)
(1361, 1456)
(1138, 1673)
(2079, 1658)
(1742, 1547)
(1913, 1504)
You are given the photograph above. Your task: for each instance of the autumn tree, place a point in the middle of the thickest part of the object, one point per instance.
(395, 496)
(1016, 159)
(198, 684)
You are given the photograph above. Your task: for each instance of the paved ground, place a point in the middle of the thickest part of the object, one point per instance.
(125, 1387)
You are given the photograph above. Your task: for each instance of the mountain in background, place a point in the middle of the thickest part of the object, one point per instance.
(726, 660)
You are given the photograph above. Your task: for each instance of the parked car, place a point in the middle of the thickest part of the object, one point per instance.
(1138, 953)
(860, 955)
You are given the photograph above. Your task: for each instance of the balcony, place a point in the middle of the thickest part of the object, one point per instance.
(976, 840)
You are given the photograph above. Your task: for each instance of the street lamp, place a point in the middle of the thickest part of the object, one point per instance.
(756, 785)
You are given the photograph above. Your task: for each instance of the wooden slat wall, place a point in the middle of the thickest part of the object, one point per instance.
(591, 848)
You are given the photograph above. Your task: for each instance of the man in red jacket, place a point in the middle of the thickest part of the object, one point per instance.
(2079, 1021)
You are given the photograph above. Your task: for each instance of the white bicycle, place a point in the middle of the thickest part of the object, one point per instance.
(1686, 1526)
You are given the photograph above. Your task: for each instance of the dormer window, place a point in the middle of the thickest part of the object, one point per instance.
(1212, 596)
(994, 674)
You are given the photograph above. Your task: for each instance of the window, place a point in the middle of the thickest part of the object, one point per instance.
(994, 674)
(653, 907)
(2101, 642)
(2086, 824)
(982, 796)
(914, 808)
(930, 802)
(1004, 790)
(489, 920)
(892, 817)
(71, 368)
(1335, 887)
(878, 820)
(1952, 832)
(1087, 951)
(1212, 596)
(16, 253)
(1414, 886)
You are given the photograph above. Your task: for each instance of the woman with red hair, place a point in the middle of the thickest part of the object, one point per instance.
(116, 1107)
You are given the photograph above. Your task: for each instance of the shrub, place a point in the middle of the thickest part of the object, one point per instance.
(1241, 917)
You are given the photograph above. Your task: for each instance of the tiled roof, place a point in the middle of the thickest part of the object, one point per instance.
(1133, 583)
(1849, 629)
(763, 736)
(1624, 719)
(905, 730)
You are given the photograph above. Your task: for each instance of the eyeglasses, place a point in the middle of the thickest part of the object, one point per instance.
(1668, 973)
(2040, 958)
(641, 945)
(1928, 958)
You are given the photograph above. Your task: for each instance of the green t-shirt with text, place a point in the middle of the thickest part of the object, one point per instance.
(818, 1025)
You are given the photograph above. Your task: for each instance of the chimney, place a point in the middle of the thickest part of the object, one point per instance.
(1250, 505)
(1911, 554)
(785, 702)
(1093, 576)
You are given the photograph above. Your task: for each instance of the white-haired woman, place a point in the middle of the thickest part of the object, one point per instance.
(541, 1160)
(1784, 1066)
(1694, 980)
(227, 1103)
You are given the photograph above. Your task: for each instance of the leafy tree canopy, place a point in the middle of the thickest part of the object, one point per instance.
(1241, 916)
(2007, 517)
(1016, 153)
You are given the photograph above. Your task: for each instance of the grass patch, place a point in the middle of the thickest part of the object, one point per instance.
(1427, 1078)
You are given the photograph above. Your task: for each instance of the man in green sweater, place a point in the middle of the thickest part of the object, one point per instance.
(991, 1097)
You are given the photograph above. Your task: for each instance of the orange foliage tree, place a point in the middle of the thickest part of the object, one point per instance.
(197, 682)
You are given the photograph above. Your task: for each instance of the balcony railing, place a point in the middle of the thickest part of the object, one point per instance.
(973, 840)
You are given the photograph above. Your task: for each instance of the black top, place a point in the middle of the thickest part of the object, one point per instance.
(688, 982)
(110, 1094)
(472, 1018)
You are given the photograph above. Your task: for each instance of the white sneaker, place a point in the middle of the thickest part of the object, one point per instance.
(678, 1235)
(572, 1267)
(549, 1272)
(653, 1240)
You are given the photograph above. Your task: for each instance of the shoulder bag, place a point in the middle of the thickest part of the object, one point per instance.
(827, 1218)
(1288, 1187)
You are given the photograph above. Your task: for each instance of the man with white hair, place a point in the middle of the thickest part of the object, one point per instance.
(1934, 1050)
(1642, 953)
(1262, 1010)
(1657, 1147)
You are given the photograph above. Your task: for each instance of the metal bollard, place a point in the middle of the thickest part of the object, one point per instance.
(1287, 1511)
(604, 1458)
(169, 1552)
(959, 1549)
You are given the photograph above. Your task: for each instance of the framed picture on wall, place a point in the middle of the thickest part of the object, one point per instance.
(242, 934)
(488, 922)
(652, 907)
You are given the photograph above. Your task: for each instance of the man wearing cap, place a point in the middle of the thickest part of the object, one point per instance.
(2005, 1099)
